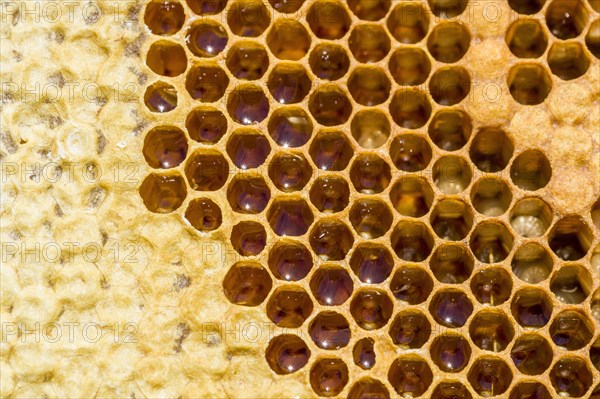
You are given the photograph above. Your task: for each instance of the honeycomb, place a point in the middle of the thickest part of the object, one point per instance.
(402, 241)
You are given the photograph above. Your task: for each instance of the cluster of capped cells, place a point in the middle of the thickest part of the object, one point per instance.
(367, 209)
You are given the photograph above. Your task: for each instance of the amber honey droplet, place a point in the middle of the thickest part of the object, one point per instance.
(248, 148)
(410, 376)
(290, 127)
(370, 174)
(204, 214)
(410, 329)
(287, 353)
(247, 60)
(206, 83)
(531, 354)
(164, 17)
(329, 61)
(411, 285)
(370, 128)
(451, 308)
(206, 39)
(290, 260)
(247, 284)
(493, 286)
(368, 388)
(571, 377)
(331, 239)
(248, 194)
(166, 58)
(331, 150)
(290, 217)
(330, 330)
(289, 83)
(289, 171)
(451, 353)
(330, 194)
(370, 218)
(248, 105)
(248, 238)
(160, 97)
(411, 196)
(331, 286)
(371, 263)
(207, 170)
(162, 193)
(329, 105)
(410, 153)
(328, 376)
(206, 125)
(165, 147)
(289, 306)
(288, 39)
(249, 18)
(531, 307)
(451, 390)
(369, 85)
(364, 353)
(371, 309)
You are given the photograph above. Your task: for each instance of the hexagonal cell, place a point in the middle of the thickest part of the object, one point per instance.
(450, 85)
(165, 147)
(451, 389)
(491, 196)
(571, 284)
(452, 174)
(570, 238)
(248, 148)
(490, 376)
(491, 286)
(368, 388)
(206, 38)
(412, 241)
(329, 61)
(163, 193)
(287, 353)
(206, 7)
(595, 354)
(330, 194)
(203, 214)
(289, 171)
(371, 309)
(568, 60)
(369, 85)
(372, 263)
(247, 60)
(450, 352)
(491, 330)
(164, 18)
(289, 260)
(370, 218)
(447, 8)
(248, 194)
(206, 82)
(331, 285)
(329, 330)
(450, 308)
(410, 329)
(531, 307)
(328, 19)
(571, 377)
(411, 196)
(529, 84)
(331, 239)
(247, 284)
(526, 38)
(369, 10)
(530, 217)
(409, 66)
(571, 330)
(451, 219)
(363, 354)
(290, 216)
(369, 43)
(247, 104)
(526, 6)
(449, 42)
(531, 354)
(491, 150)
(410, 108)
(531, 170)
(206, 170)
(290, 127)
(328, 376)
(529, 389)
(566, 19)
(160, 97)
(411, 284)
(288, 39)
(248, 238)
(166, 58)
(249, 18)
(331, 150)
(491, 242)
(288, 83)
(592, 39)
(286, 6)
(532, 263)
(289, 306)
(450, 129)
(370, 128)
(206, 125)
(410, 152)
(451, 263)
(408, 22)
(410, 376)
(329, 105)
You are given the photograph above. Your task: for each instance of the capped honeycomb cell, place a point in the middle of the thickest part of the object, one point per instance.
(289, 260)
(288, 83)
(372, 263)
(409, 66)
(288, 39)
(571, 284)
(248, 148)
(491, 196)
(531, 170)
(329, 61)
(329, 105)
(289, 171)
(287, 353)
(166, 58)
(290, 216)
(410, 329)
(529, 83)
(410, 376)
(331, 150)
(566, 19)
(526, 38)
(248, 194)
(163, 193)
(206, 125)
(369, 43)
(370, 218)
(450, 308)
(369, 10)
(571, 330)
(531, 354)
(206, 82)
(410, 108)
(571, 376)
(371, 309)
(204, 214)
(531, 307)
(247, 104)
(532, 263)
(329, 330)
(526, 6)
(289, 306)
(248, 238)
(331, 239)
(451, 263)
(451, 390)
(368, 388)
(160, 97)
(207, 170)
(411, 196)
(290, 127)
(408, 22)
(247, 283)
(491, 330)
(491, 150)
(451, 219)
(411, 284)
(165, 147)
(568, 60)
(452, 174)
(491, 286)
(370, 128)
(412, 241)
(164, 18)
(328, 376)
(450, 129)
(331, 285)
(570, 238)
(206, 7)
(410, 152)
(450, 85)
(328, 19)
(206, 38)
(330, 194)
(448, 42)
(249, 18)
(447, 8)
(363, 353)
(530, 217)
(450, 352)
(491, 242)
(529, 389)
(247, 60)
(490, 376)
(369, 85)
